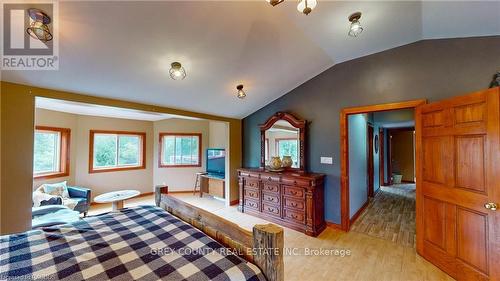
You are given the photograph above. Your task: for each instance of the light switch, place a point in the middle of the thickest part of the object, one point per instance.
(327, 160)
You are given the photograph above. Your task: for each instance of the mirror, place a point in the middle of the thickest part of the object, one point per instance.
(282, 136)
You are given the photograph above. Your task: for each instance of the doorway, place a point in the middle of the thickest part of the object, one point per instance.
(346, 218)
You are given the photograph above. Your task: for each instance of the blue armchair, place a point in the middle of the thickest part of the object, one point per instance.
(82, 195)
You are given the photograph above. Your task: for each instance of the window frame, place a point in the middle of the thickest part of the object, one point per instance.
(160, 150)
(64, 153)
(277, 147)
(142, 150)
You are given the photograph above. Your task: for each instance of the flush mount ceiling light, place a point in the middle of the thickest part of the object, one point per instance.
(241, 94)
(39, 25)
(355, 28)
(304, 6)
(177, 72)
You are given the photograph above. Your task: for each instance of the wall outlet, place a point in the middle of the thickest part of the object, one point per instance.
(327, 160)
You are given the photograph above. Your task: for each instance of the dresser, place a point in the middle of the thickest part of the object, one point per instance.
(292, 199)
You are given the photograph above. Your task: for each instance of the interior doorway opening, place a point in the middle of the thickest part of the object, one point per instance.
(351, 118)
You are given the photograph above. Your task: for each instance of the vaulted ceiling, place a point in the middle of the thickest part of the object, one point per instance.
(123, 50)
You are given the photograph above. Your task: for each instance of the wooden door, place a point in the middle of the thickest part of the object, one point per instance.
(458, 143)
(369, 149)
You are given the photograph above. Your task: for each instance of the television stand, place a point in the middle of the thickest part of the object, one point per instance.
(212, 185)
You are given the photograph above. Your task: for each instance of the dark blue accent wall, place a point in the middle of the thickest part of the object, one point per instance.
(431, 69)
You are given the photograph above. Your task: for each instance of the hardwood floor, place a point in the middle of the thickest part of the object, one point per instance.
(390, 215)
(370, 258)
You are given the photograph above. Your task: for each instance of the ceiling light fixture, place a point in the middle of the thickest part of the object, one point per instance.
(39, 25)
(306, 6)
(177, 72)
(241, 94)
(274, 2)
(355, 28)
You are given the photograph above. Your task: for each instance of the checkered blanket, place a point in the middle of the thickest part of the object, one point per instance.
(141, 243)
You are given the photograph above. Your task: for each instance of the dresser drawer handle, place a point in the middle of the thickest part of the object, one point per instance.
(269, 179)
(294, 182)
(294, 204)
(293, 192)
(294, 216)
(270, 199)
(270, 188)
(270, 209)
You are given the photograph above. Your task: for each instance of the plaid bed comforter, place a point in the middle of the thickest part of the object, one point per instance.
(141, 243)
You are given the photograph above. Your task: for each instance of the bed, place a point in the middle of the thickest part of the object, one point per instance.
(140, 243)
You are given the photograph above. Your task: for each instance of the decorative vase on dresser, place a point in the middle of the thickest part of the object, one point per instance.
(291, 199)
(288, 196)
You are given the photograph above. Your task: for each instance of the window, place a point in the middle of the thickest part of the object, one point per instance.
(115, 151)
(288, 147)
(180, 150)
(51, 152)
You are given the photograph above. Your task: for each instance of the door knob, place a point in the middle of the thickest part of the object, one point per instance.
(491, 206)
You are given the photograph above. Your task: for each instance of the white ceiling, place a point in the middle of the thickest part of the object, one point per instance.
(123, 50)
(103, 111)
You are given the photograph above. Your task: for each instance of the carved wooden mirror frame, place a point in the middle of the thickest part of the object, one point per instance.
(296, 123)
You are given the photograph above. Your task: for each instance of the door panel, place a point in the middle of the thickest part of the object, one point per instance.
(472, 238)
(458, 146)
(469, 152)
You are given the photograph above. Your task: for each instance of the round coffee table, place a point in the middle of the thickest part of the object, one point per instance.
(116, 198)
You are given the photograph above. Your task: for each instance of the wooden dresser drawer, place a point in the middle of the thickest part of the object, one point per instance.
(252, 183)
(293, 215)
(271, 187)
(294, 203)
(293, 191)
(271, 209)
(252, 204)
(252, 192)
(271, 197)
(296, 181)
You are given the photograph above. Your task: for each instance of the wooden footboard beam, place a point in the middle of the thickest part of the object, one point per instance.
(263, 246)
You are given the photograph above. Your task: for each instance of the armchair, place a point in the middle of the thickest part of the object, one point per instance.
(78, 198)
(82, 195)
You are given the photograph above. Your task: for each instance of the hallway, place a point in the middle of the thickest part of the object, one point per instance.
(390, 215)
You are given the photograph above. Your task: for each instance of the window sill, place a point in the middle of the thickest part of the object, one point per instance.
(116, 169)
(179, 166)
(50, 175)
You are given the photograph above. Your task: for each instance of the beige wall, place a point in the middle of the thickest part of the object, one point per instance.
(179, 179)
(219, 134)
(17, 123)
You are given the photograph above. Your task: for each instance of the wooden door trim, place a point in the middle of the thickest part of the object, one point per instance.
(381, 151)
(344, 148)
(370, 167)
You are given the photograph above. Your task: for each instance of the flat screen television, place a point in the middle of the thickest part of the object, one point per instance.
(216, 161)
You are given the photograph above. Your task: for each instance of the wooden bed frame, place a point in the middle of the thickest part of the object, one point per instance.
(262, 247)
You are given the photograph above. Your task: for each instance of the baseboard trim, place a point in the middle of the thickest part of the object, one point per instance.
(234, 202)
(333, 225)
(358, 213)
(181, 191)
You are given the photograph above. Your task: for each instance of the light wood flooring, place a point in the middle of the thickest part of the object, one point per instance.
(371, 258)
(390, 215)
